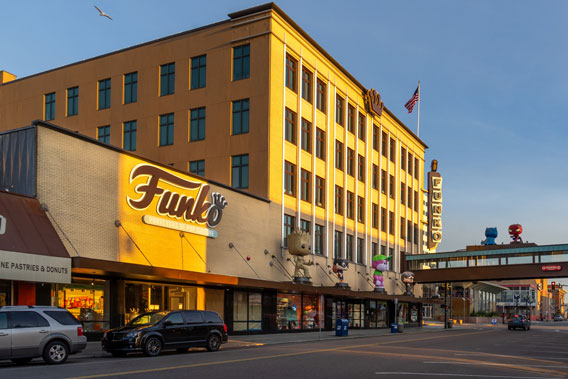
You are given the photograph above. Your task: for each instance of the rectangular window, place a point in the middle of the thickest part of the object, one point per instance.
(320, 96)
(319, 234)
(306, 142)
(350, 205)
(403, 159)
(402, 228)
(362, 127)
(409, 195)
(167, 79)
(410, 161)
(306, 85)
(290, 132)
(391, 187)
(289, 225)
(338, 155)
(305, 185)
(392, 150)
(415, 233)
(375, 220)
(305, 226)
(409, 232)
(337, 242)
(360, 209)
(131, 88)
(339, 110)
(320, 144)
(320, 191)
(360, 248)
(383, 181)
(350, 119)
(197, 124)
(197, 167)
(104, 93)
(198, 72)
(166, 129)
(416, 201)
(350, 162)
(375, 247)
(349, 248)
(402, 193)
(240, 171)
(416, 167)
(291, 69)
(49, 106)
(103, 134)
(375, 177)
(241, 62)
(384, 144)
(391, 223)
(73, 101)
(289, 179)
(375, 138)
(129, 135)
(361, 168)
(241, 116)
(383, 220)
(338, 200)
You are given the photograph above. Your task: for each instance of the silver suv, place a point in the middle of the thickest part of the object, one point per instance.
(31, 331)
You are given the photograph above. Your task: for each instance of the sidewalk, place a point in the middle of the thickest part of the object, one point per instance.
(94, 350)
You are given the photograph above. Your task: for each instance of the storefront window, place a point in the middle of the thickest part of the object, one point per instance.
(140, 298)
(178, 297)
(85, 299)
(311, 317)
(288, 311)
(5, 293)
(356, 315)
(247, 311)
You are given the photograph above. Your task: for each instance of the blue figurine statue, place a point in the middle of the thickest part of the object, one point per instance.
(490, 234)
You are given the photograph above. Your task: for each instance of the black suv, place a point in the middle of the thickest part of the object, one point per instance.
(151, 332)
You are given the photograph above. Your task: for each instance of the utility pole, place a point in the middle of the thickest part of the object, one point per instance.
(445, 305)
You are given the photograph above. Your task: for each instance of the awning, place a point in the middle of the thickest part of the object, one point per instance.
(30, 249)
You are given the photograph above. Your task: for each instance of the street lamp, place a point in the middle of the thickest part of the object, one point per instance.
(517, 296)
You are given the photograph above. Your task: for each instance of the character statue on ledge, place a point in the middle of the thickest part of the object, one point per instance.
(515, 231)
(380, 264)
(490, 235)
(340, 265)
(299, 245)
(408, 280)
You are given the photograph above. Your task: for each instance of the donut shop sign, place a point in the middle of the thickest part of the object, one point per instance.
(180, 202)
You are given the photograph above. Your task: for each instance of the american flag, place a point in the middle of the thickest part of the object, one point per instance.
(413, 100)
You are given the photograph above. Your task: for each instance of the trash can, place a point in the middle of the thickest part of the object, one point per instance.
(394, 328)
(341, 327)
(449, 324)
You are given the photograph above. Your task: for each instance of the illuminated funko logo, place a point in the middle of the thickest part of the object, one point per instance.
(175, 205)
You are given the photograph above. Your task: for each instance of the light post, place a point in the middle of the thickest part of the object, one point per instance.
(517, 297)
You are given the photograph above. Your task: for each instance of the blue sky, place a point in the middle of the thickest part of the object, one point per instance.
(493, 77)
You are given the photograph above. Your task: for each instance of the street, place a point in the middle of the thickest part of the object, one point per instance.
(464, 351)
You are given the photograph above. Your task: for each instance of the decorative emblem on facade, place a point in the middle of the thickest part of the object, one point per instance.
(180, 206)
(374, 102)
(299, 245)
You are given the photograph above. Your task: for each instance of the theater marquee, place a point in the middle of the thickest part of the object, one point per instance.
(434, 206)
(171, 201)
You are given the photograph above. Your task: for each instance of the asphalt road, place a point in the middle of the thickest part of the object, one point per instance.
(468, 352)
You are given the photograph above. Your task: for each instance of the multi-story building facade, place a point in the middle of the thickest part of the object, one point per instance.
(252, 103)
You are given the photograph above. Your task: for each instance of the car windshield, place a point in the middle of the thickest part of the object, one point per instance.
(151, 318)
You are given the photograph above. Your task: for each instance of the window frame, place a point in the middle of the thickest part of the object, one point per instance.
(339, 104)
(306, 138)
(289, 178)
(338, 202)
(197, 124)
(103, 137)
(241, 115)
(198, 72)
(350, 162)
(49, 106)
(305, 185)
(242, 171)
(130, 87)
(104, 98)
(169, 127)
(241, 61)
(129, 135)
(321, 91)
(307, 84)
(320, 192)
(320, 144)
(291, 72)
(338, 155)
(167, 79)
(290, 125)
(199, 167)
(72, 101)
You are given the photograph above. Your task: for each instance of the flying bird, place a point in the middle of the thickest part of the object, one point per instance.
(103, 13)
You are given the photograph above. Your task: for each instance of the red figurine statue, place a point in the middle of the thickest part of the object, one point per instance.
(515, 231)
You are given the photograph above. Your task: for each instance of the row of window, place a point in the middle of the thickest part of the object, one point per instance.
(241, 70)
(319, 237)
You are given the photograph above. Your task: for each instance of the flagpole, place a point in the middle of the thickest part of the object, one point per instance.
(418, 118)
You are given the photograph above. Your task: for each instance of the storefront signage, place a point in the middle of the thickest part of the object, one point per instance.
(187, 203)
(374, 102)
(552, 268)
(34, 267)
(434, 206)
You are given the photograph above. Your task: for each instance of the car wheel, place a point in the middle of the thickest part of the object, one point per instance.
(213, 342)
(153, 347)
(182, 350)
(56, 352)
(21, 361)
(118, 353)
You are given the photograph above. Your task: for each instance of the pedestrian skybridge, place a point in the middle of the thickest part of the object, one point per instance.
(491, 262)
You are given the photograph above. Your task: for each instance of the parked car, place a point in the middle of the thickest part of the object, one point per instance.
(558, 318)
(152, 332)
(518, 321)
(31, 331)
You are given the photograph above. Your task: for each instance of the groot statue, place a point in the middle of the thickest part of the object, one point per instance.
(299, 245)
